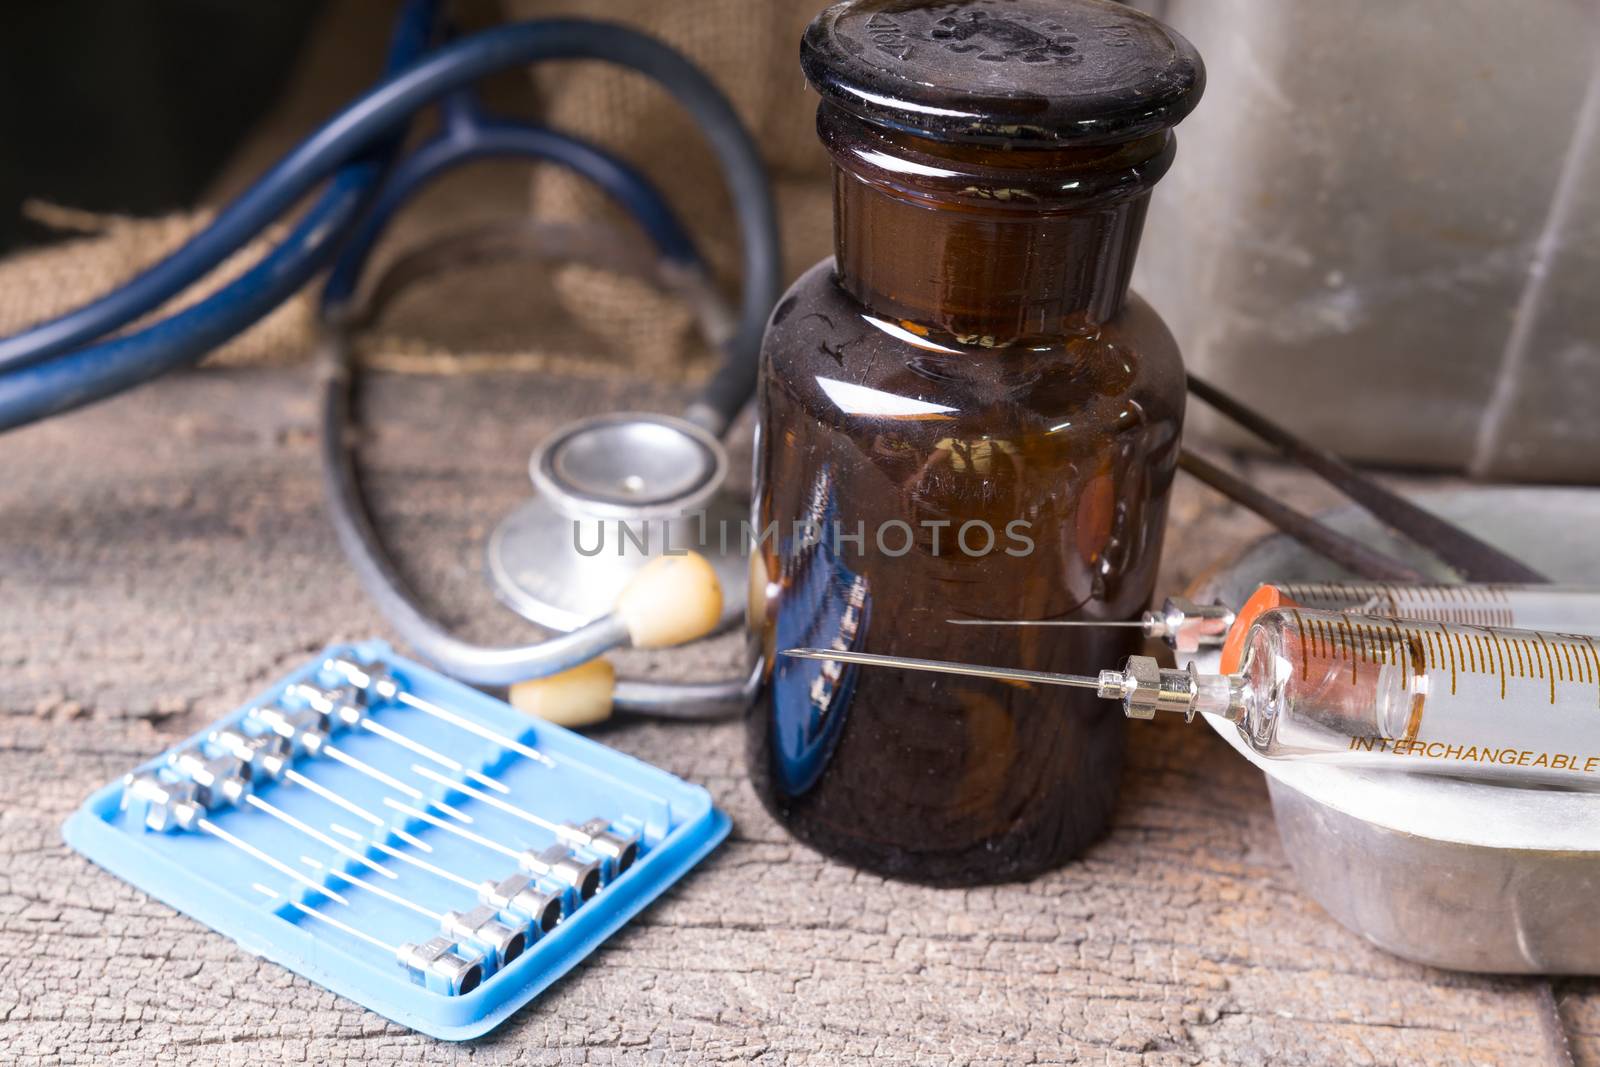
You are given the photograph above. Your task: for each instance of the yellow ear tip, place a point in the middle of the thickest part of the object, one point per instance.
(673, 599)
(574, 698)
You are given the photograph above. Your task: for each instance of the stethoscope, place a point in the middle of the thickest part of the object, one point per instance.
(586, 470)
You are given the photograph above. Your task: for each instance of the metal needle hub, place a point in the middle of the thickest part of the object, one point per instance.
(596, 834)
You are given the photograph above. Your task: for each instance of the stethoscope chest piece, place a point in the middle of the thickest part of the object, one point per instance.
(613, 492)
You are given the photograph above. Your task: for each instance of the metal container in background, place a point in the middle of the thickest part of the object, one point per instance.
(1385, 227)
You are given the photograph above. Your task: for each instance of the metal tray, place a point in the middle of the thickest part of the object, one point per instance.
(1462, 875)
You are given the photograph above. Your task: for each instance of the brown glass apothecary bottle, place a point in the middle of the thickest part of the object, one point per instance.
(965, 414)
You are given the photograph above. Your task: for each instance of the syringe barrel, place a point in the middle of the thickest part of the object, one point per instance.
(1476, 701)
(1564, 609)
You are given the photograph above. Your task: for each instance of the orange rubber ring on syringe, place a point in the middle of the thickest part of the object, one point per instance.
(1261, 601)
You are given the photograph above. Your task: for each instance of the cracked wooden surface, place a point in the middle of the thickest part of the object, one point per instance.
(163, 555)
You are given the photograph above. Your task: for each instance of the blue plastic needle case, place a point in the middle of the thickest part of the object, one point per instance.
(405, 840)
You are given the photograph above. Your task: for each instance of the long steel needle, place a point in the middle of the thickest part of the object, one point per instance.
(1046, 622)
(1011, 674)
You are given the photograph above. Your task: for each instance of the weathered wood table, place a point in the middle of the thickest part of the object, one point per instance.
(163, 555)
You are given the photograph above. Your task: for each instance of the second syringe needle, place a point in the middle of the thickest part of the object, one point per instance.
(1187, 626)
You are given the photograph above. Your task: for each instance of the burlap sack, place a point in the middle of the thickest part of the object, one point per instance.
(569, 318)
(43, 282)
(751, 49)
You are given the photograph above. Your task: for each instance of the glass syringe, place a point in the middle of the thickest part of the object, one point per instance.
(1188, 626)
(1477, 701)
(1563, 608)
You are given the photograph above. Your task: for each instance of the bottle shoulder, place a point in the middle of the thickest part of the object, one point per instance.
(824, 348)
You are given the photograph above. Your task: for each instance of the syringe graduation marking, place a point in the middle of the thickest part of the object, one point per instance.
(1305, 644)
(1594, 663)
(1453, 655)
(1555, 667)
(1344, 621)
(1471, 605)
(1566, 658)
(1418, 665)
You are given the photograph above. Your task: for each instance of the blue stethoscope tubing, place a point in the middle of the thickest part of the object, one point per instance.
(67, 362)
(467, 137)
(59, 365)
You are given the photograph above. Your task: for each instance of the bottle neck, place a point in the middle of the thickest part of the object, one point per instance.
(990, 245)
